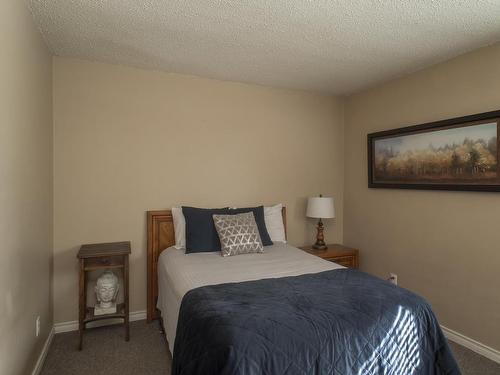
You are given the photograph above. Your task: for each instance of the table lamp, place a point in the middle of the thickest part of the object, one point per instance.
(320, 208)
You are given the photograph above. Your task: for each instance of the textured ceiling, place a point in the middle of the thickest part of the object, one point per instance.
(337, 46)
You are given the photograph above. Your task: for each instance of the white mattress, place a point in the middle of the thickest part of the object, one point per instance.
(178, 273)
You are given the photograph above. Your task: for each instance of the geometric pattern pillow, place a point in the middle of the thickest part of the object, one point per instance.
(238, 234)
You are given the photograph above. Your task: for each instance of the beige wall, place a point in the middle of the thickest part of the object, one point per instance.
(443, 245)
(130, 140)
(25, 188)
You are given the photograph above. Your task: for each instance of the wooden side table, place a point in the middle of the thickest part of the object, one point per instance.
(340, 254)
(101, 256)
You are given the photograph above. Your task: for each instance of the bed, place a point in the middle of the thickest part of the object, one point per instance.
(285, 312)
(161, 237)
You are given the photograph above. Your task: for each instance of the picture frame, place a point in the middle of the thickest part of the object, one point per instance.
(459, 154)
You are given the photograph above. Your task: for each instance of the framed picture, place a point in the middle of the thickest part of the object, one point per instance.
(456, 154)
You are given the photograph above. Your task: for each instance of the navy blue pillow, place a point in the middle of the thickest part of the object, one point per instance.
(258, 212)
(201, 235)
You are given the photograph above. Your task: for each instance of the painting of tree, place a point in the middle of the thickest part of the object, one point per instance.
(465, 153)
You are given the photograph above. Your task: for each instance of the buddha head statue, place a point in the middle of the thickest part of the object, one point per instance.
(106, 289)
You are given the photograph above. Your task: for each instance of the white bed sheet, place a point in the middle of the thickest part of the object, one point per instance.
(178, 273)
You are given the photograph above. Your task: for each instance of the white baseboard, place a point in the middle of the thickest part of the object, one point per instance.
(73, 325)
(43, 353)
(471, 344)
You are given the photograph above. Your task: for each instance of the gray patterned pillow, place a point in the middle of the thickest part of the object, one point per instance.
(238, 234)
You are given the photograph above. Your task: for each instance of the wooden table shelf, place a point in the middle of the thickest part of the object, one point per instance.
(90, 317)
(103, 256)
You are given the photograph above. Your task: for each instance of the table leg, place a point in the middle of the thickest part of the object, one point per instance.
(125, 282)
(82, 303)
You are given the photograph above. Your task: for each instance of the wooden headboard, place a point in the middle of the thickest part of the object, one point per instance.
(160, 237)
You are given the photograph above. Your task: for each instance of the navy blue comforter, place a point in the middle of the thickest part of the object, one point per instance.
(335, 322)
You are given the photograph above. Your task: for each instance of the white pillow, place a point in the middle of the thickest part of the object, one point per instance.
(274, 223)
(179, 228)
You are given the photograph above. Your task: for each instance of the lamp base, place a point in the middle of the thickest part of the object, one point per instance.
(320, 239)
(319, 246)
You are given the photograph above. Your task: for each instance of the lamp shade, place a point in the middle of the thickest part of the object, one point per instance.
(320, 208)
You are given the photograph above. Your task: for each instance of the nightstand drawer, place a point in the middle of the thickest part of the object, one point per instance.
(340, 254)
(104, 262)
(346, 261)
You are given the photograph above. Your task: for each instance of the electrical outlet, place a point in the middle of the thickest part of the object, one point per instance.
(37, 326)
(393, 278)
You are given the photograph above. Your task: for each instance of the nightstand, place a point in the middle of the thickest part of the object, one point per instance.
(103, 256)
(340, 254)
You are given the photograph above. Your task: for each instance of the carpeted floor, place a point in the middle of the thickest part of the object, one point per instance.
(105, 352)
